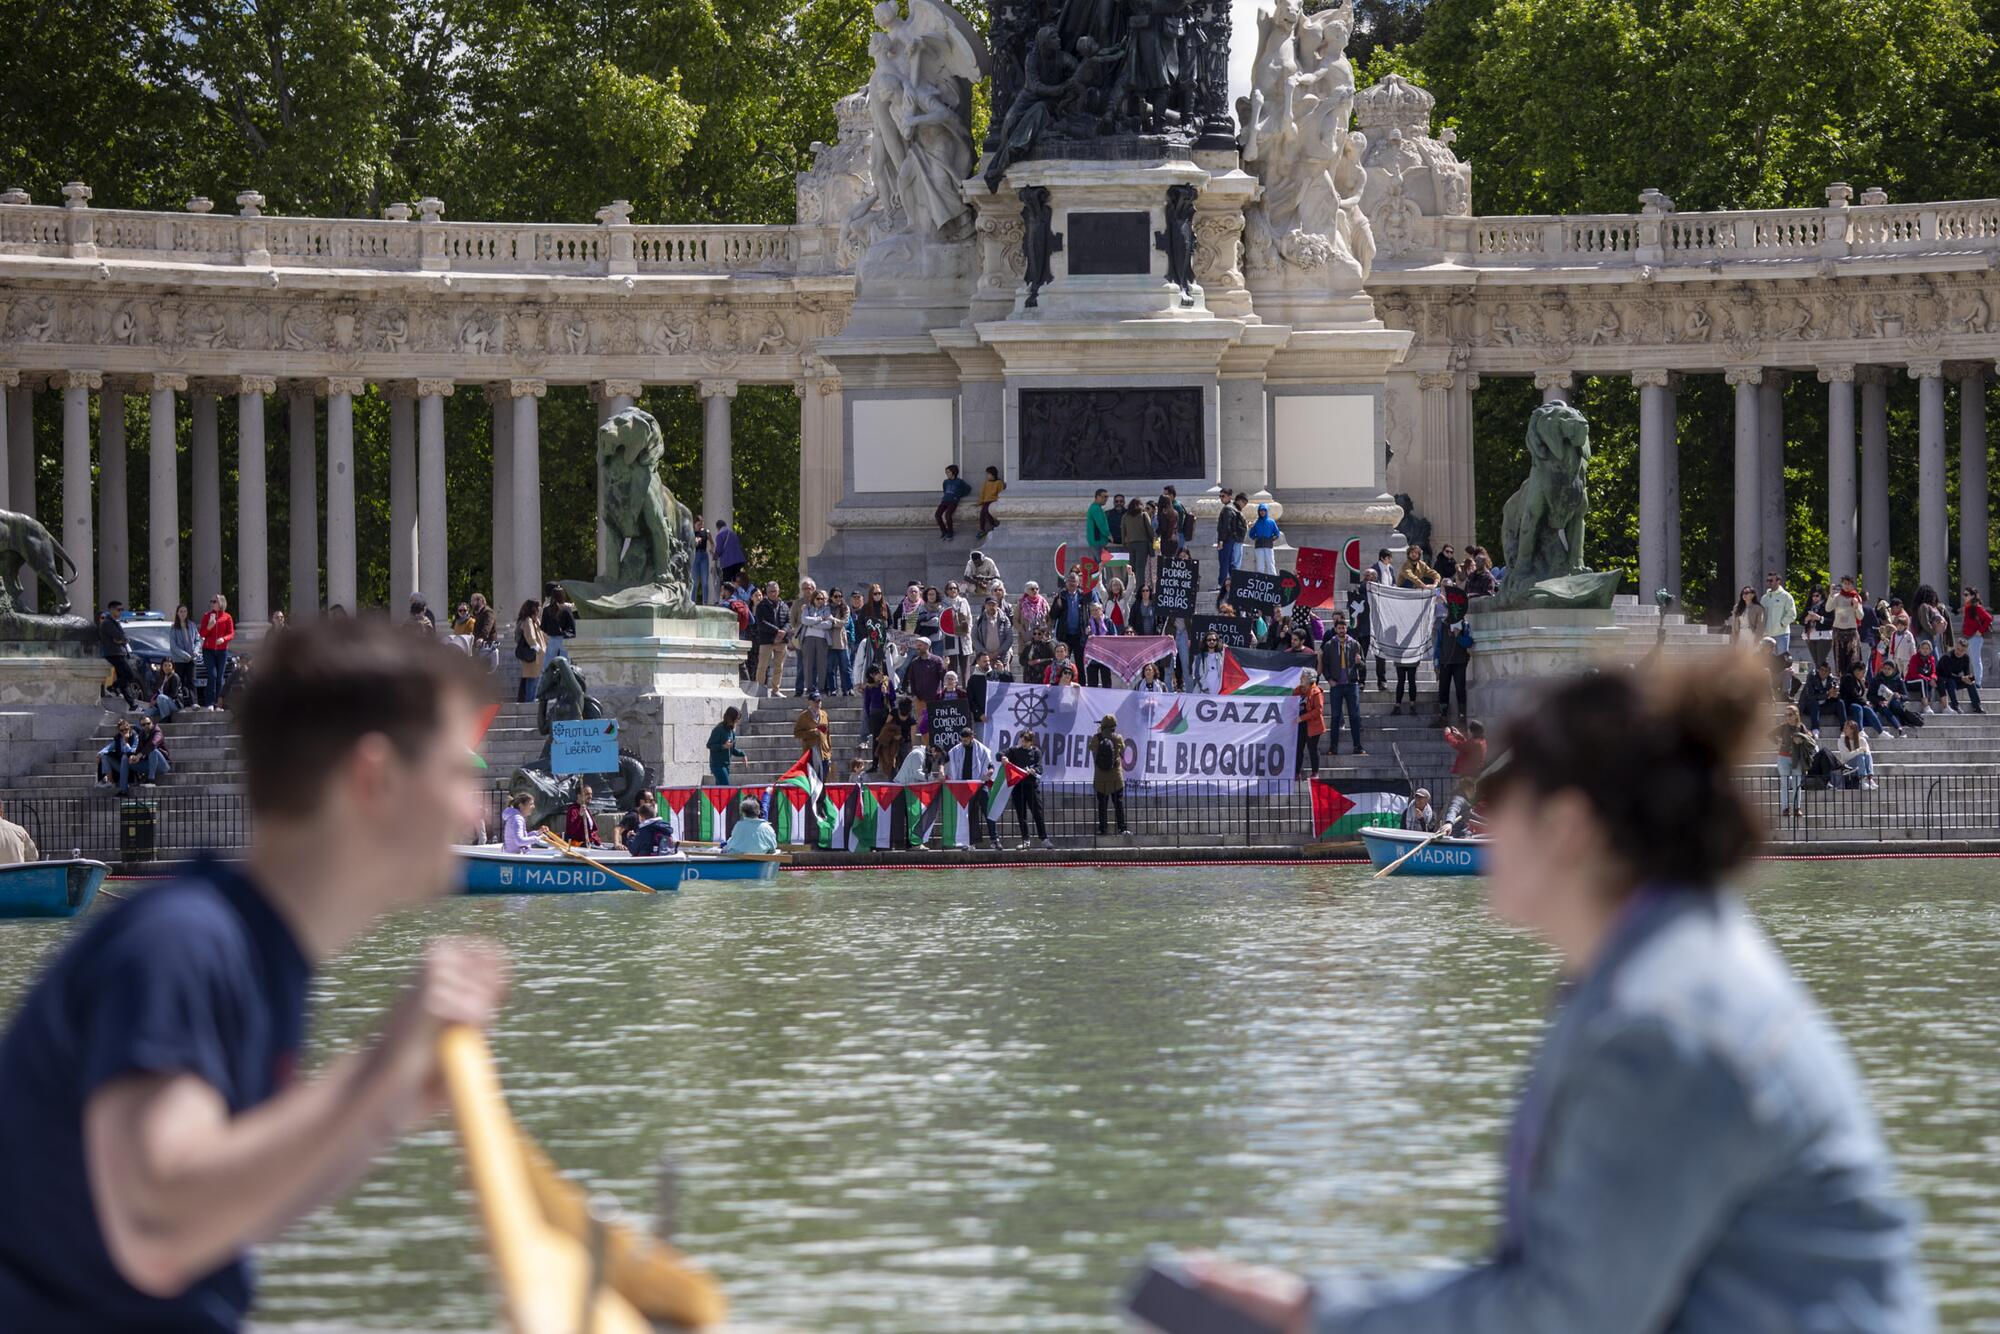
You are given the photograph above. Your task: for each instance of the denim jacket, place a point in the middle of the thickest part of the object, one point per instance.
(1693, 1153)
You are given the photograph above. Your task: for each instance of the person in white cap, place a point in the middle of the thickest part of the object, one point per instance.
(1420, 816)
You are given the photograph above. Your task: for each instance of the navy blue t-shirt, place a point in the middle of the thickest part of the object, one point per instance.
(196, 977)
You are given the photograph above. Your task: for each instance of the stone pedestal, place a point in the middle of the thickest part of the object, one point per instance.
(50, 699)
(1515, 652)
(667, 681)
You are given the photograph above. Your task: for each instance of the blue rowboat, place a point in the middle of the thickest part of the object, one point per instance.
(1444, 856)
(50, 889)
(488, 870)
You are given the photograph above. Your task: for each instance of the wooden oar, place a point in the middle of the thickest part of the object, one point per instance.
(569, 849)
(1440, 832)
(546, 1278)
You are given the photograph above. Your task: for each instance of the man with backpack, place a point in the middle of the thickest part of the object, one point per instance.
(1231, 532)
(1107, 763)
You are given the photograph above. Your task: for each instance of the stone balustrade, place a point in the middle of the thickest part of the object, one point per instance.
(425, 243)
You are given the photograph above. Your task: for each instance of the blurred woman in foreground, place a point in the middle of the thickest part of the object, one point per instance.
(1693, 1150)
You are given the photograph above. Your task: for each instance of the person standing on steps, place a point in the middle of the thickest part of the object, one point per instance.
(722, 746)
(218, 632)
(1135, 530)
(989, 491)
(1264, 539)
(1026, 753)
(729, 552)
(1344, 668)
(117, 653)
(954, 490)
(698, 567)
(558, 619)
(967, 762)
(814, 733)
(1107, 763)
(1231, 532)
(1097, 526)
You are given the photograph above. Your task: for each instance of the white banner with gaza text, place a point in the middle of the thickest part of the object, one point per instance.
(1222, 741)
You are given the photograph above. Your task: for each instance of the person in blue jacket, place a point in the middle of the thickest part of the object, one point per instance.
(1693, 1149)
(956, 488)
(1264, 539)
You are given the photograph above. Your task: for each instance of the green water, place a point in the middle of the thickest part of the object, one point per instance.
(923, 1100)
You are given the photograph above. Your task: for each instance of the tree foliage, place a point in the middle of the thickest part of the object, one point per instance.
(1578, 105)
(694, 110)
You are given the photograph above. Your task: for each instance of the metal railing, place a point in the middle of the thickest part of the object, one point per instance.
(164, 825)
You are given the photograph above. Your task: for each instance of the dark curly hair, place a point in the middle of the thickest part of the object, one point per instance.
(1655, 754)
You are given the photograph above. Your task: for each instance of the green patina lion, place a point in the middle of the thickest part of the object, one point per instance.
(1541, 531)
(650, 535)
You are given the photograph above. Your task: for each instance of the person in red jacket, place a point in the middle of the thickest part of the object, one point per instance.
(1977, 622)
(1470, 761)
(218, 632)
(579, 825)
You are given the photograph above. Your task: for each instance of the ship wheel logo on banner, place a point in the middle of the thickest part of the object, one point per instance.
(1029, 709)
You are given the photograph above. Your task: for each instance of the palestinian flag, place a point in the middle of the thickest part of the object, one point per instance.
(1249, 671)
(870, 828)
(674, 803)
(955, 812)
(1342, 812)
(1000, 790)
(795, 802)
(834, 815)
(711, 814)
(920, 810)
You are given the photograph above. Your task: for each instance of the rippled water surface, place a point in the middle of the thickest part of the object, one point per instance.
(916, 1101)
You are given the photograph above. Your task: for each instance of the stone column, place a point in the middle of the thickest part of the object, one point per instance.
(507, 598)
(1431, 484)
(303, 500)
(253, 534)
(163, 494)
(21, 453)
(9, 390)
(1974, 558)
(1771, 472)
(1933, 518)
(613, 397)
(402, 492)
(820, 454)
(1555, 385)
(1749, 477)
(77, 538)
(205, 496)
(1656, 445)
(1460, 510)
(528, 484)
(343, 581)
(433, 568)
(1874, 381)
(114, 500)
(1840, 480)
(718, 474)
(1671, 414)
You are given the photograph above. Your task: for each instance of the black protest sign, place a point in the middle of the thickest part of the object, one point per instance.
(1233, 631)
(949, 717)
(1255, 588)
(1176, 591)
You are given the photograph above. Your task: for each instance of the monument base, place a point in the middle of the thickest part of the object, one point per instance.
(1515, 653)
(51, 697)
(666, 680)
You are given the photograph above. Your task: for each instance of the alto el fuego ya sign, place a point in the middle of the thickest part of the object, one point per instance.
(1219, 739)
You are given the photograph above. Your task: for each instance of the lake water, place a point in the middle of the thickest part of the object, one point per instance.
(922, 1100)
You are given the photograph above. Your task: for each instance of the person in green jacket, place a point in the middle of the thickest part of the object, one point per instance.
(722, 746)
(1097, 526)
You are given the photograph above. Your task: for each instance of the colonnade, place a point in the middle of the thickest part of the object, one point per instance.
(1858, 518)
(94, 528)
